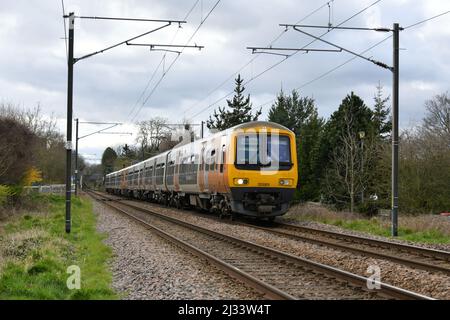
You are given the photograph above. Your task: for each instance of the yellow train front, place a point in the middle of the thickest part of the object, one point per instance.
(249, 169)
(262, 170)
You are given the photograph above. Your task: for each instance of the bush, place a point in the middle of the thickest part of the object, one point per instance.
(6, 193)
(369, 208)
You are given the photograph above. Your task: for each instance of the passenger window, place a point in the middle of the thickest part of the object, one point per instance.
(222, 162)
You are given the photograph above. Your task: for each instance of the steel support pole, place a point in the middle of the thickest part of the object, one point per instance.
(202, 130)
(76, 157)
(362, 167)
(70, 63)
(395, 141)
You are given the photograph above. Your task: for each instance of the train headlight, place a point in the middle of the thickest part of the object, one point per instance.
(240, 181)
(286, 182)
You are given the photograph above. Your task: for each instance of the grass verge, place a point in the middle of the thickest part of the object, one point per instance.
(35, 253)
(424, 228)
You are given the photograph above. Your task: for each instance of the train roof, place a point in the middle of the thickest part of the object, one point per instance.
(259, 124)
(237, 127)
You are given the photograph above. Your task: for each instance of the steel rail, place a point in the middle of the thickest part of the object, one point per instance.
(358, 281)
(405, 261)
(268, 290)
(432, 253)
(358, 240)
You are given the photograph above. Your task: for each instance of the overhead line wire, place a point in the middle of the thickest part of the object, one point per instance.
(176, 58)
(423, 21)
(254, 58)
(160, 62)
(65, 28)
(287, 57)
(353, 58)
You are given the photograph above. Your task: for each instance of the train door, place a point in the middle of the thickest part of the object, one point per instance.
(168, 176)
(176, 177)
(222, 186)
(205, 169)
(201, 170)
(213, 168)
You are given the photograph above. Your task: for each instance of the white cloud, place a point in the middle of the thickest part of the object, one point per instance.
(106, 87)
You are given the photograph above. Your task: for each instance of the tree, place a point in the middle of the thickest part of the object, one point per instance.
(151, 133)
(347, 152)
(18, 143)
(108, 159)
(361, 121)
(300, 115)
(240, 110)
(49, 152)
(349, 170)
(51, 161)
(127, 152)
(279, 112)
(381, 113)
(425, 161)
(93, 175)
(380, 183)
(424, 173)
(437, 120)
(126, 156)
(32, 175)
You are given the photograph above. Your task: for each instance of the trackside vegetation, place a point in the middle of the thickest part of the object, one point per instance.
(430, 229)
(35, 253)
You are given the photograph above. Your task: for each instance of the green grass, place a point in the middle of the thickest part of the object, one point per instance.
(37, 251)
(417, 228)
(369, 226)
(374, 226)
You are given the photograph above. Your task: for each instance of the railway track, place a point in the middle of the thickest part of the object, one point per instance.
(276, 274)
(413, 256)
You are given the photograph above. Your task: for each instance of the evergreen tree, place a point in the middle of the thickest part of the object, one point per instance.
(292, 111)
(361, 122)
(279, 111)
(308, 150)
(127, 152)
(346, 156)
(108, 158)
(380, 185)
(240, 110)
(300, 115)
(381, 113)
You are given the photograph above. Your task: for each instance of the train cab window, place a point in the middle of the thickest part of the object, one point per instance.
(284, 152)
(249, 148)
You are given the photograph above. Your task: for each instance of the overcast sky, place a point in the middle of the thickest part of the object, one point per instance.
(107, 87)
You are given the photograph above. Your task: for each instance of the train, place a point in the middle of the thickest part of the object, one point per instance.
(249, 169)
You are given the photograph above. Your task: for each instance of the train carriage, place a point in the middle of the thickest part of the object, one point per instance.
(249, 169)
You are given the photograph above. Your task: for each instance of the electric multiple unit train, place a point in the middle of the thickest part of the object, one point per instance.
(249, 169)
